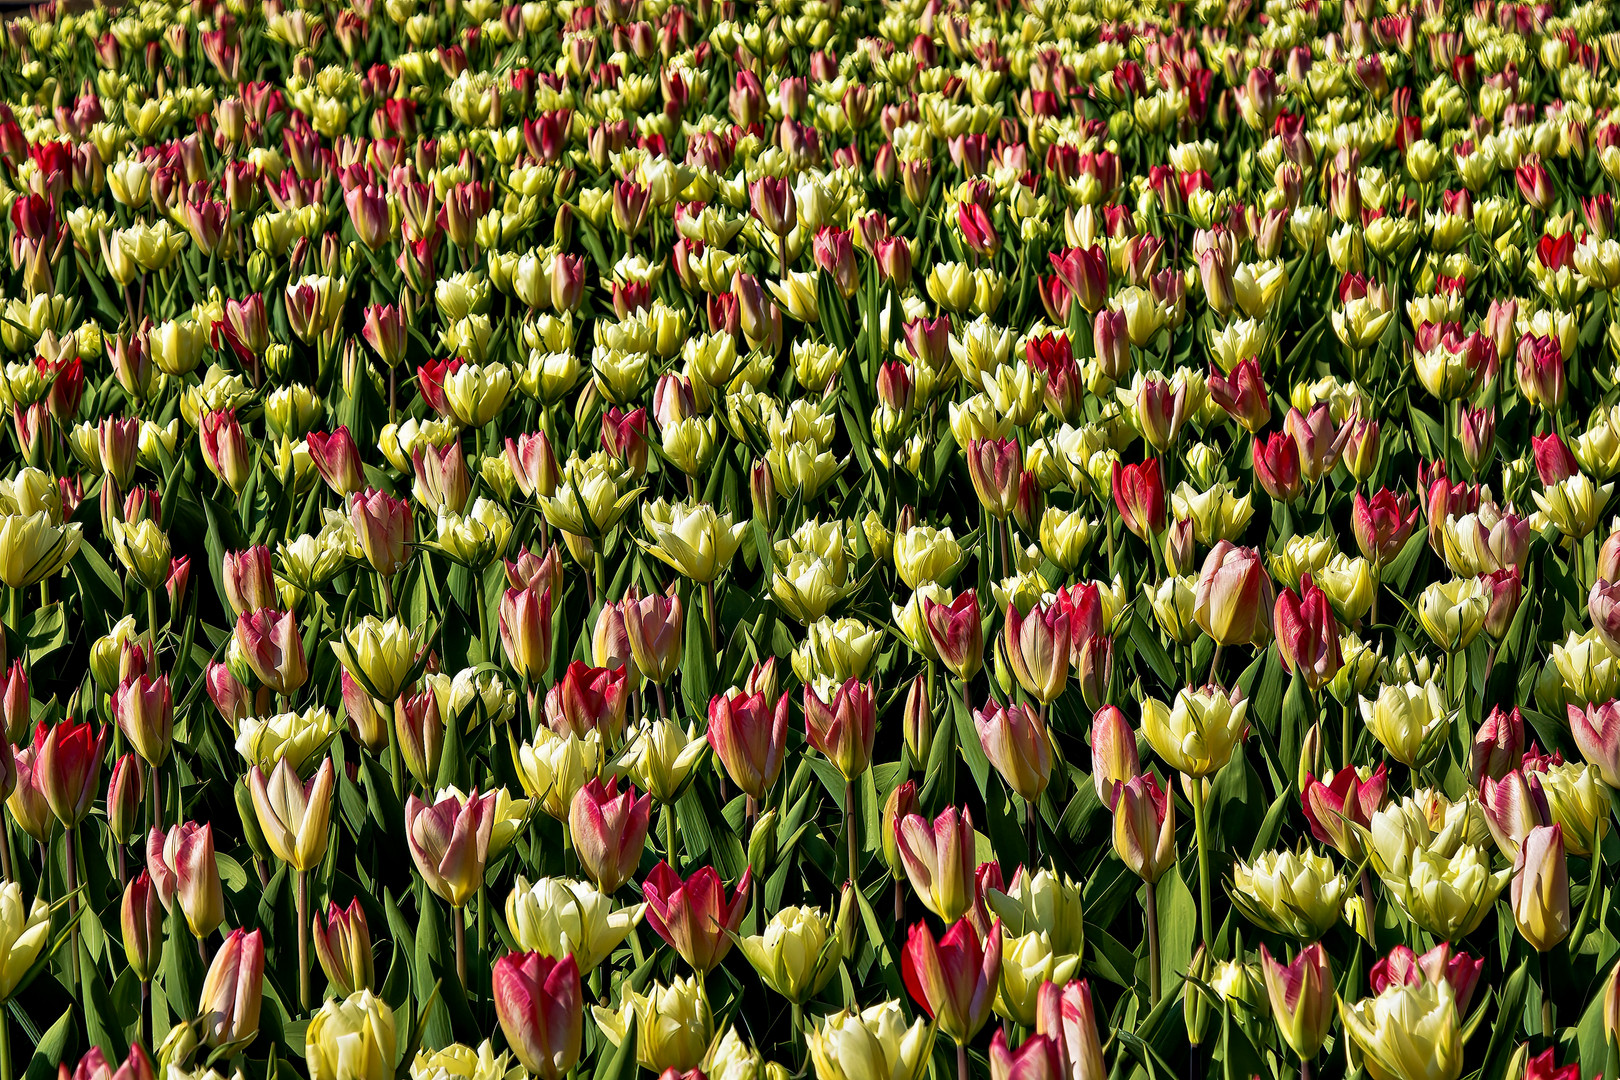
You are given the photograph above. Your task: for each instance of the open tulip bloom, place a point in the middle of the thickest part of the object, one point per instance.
(483, 477)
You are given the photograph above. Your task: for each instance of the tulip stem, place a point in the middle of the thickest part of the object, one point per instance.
(154, 804)
(1369, 907)
(1347, 736)
(71, 840)
(1206, 914)
(708, 615)
(671, 831)
(456, 916)
(961, 1062)
(5, 851)
(302, 901)
(849, 833)
(152, 618)
(1546, 996)
(5, 1044)
(1150, 915)
(1214, 665)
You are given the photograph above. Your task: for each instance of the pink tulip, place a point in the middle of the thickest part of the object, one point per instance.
(1242, 395)
(692, 915)
(1038, 649)
(589, 699)
(541, 1010)
(956, 633)
(844, 728)
(1319, 442)
(1302, 998)
(1513, 806)
(184, 868)
(144, 710)
(449, 843)
(233, 991)
(1597, 734)
(1382, 525)
(1234, 598)
(609, 830)
(1403, 967)
(343, 947)
(749, 737)
(1332, 808)
(249, 579)
(67, 763)
(1113, 753)
(1016, 742)
(1066, 1015)
(384, 527)
(1307, 635)
(272, 646)
(533, 464)
(1037, 1058)
(954, 979)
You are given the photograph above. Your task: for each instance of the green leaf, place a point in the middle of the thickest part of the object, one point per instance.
(622, 1064)
(53, 1047)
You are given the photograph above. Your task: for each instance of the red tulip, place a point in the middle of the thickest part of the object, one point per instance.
(692, 915)
(1319, 442)
(609, 831)
(1242, 395)
(954, 979)
(589, 699)
(337, 459)
(956, 633)
(1066, 1015)
(1540, 372)
(270, 643)
(1554, 462)
(1037, 1058)
(1499, 743)
(541, 1009)
(1276, 466)
(1514, 806)
(141, 917)
(384, 526)
(1307, 635)
(1084, 272)
(1139, 495)
(249, 579)
(1382, 525)
(844, 728)
(1345, 800)
(67, 763)
(1544, 1066)
(749, 737)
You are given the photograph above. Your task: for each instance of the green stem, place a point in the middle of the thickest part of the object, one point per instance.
(71, 838)
(1206, 914)
(1150, 915)
(457, 917)
(152, 617)
(5, 1045)
(671, 853)
(302, 900)
(849, 832)
(1546, 996)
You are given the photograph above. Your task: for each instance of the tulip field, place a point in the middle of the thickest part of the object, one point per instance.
(915, 540)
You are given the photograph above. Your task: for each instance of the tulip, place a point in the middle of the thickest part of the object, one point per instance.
(1139, 495)
(1307, 636)
(271, 645)
(1319, 444)
(24, 931)
(750, 739)
(1300, 896)
(141, 916)
(293, 815)
(1145, 828)
(225, 449)
(384, 526)
(1276, 466)
(232, 992)
(1513, 806)
(1234, 597)
(938, 858)
(956, 633)
(144, 710)
(653, 624)
(1407, 1031)
(1196, 736)
(541, 1009)
(67, 760)
(588, 699)
(692, 915)
(1113, 752)
(609, 831)
(343, 947)
(1302, 997)
(1242, 396)
(1065, 1014)
(337, 459)
(674, 1026)
(994, 466)
(1382, 525)
(801, 949)
(1453, 613)
(1346, 800)
(525, 629)
(1038, 649)
(1499, 743)
(954, 979)
(125, 794)
(1016, 742)
(872, 1043)
(1440, 964)
(352, 1039)
(1407, 719)
(1037, 1058)
(449, 842)
(558, 918)
(183, 867)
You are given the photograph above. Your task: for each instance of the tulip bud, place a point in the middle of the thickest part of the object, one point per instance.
(1302, 998)
(1144, 827)
(609, 831)
(142, 918)
(917, 724)
(1540, 889)
(540, 1006)
(343, 947)
(1194, 1005)
(955, 978)
(67, 763)
(126, 791)
(233, 991)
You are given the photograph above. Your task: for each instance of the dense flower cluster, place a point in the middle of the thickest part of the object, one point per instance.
(744, 540)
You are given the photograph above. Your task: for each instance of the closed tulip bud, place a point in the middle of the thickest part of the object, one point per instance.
(233, 990)
(143, 550)
(1139, 494)
(541, 1008)
(749, 736)
(843, 728)
(384, 526)
(1307, 635)
(1111, 343)
(1540, 371)
(272, 647)
(994, 466)
(1382, 525)
(1016, 742)
(1476, 432)
(225, 449)
(1180, 547)
(1234, 598)
(249, 579)
(1302, 996)
(144, 709)
(1144, 827)
(901, 803)
(385, 330)
(449, 843)
(693, 916)
(762, 846)
(1037, 1058)
(294, 815)
(938, 858)
(917, 723)
(1276, 466)
(26, 803)
(184, 868)
(1113, 752)
(351, 1039)
(653, 624)
(953, 979)
(1065, 1014)
(1540, 889)
(67, 764)
(589, 699)
(15, 704)
(956, 633)
(1242, 395)
(126, 791)
(142, 918)
(525, 628)
(609, 831)
(343, 947)
(1038, 650)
